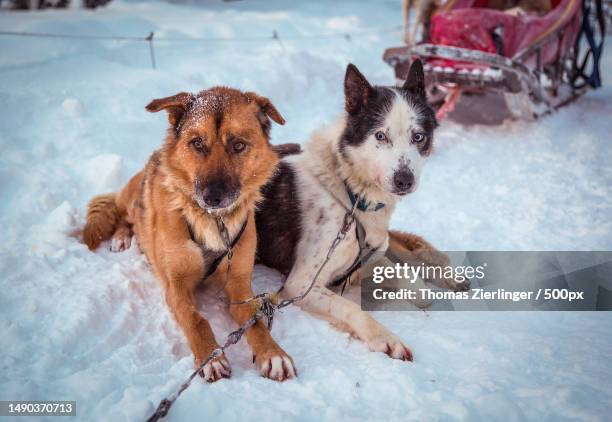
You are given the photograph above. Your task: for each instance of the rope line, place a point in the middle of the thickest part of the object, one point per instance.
(72, 36)
(273, 37)
(258, 38)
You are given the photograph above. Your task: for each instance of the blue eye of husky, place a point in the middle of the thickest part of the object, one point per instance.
(380, 136)
(418, 137)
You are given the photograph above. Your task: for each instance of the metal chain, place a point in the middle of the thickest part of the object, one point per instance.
(268, 305)
(225, 236)
(233, 338)
(230, 250)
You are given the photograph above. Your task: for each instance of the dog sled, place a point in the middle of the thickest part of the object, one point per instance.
(535, 63)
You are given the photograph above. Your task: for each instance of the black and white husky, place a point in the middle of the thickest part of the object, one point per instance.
(373, 154)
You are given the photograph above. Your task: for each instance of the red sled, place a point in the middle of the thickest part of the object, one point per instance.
(535, 63)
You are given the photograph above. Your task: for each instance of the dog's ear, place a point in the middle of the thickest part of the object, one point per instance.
(357, 89)
(266, 107)
(415, 82)
(176, 105)
(267, 111)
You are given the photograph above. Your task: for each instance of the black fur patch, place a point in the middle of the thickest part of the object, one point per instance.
(359, 125)
(426, 119)
(278, 221)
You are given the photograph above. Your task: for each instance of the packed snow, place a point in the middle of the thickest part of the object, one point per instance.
(93, 327)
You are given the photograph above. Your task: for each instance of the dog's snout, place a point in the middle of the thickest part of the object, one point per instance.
(217, 194)
(403, 181)
(213, 196)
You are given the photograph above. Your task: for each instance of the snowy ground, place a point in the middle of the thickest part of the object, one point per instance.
(93, 328)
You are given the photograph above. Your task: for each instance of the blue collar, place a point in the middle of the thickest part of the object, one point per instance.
(362, 205)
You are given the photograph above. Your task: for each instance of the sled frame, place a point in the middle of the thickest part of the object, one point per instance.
(539, 86)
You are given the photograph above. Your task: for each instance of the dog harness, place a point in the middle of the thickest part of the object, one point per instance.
(362, 205)
(214, 256)
(365, 253)
(365, 249)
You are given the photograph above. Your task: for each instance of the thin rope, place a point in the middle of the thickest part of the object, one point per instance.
(275, 36)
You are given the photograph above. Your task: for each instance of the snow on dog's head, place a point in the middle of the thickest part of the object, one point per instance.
(389, 131)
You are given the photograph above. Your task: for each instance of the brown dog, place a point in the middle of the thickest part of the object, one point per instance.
(203, 183)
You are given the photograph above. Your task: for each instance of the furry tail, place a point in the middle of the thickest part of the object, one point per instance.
(102, 220)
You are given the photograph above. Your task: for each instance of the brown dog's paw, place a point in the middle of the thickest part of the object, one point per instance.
(216, 369)
(391, 345)
(276, 365)
(121, 240)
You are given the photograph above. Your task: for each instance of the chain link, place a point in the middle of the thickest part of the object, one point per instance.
(230, 250)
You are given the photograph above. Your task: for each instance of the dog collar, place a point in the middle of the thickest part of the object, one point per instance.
(362, 205)
(217, 257)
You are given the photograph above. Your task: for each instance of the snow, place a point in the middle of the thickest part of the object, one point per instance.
(92, 327)
(72, 107)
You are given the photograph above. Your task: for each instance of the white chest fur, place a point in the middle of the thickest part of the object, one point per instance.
(324, 204)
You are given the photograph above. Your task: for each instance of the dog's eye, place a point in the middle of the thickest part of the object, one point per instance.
(198, 144)
(239, 146)
(418, 137)
(380, 136)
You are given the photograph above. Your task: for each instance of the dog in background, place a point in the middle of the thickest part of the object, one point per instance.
(215, 159)
(370, 158)
(424, 10)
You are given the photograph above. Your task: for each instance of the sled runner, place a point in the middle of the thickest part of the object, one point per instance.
(536, 63)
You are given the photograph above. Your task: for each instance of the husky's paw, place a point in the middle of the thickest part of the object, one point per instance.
(432, 257)
(275, 364)
(391, 345)
(454, 284)
(121, 240)
(215, 369)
